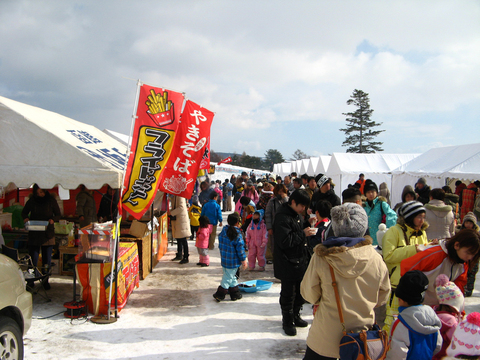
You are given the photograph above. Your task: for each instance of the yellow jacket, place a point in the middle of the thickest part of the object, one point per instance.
(194, 215)
(395, 247)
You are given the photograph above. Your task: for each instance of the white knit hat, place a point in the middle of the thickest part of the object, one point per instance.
(448, 293)
(466, 338)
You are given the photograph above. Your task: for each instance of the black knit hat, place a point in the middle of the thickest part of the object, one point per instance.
(369, 185)
(412, 286)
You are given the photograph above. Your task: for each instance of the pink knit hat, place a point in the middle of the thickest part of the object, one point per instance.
(448, 293)
(466, 338)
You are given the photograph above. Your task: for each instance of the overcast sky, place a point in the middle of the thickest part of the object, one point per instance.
(278, 74)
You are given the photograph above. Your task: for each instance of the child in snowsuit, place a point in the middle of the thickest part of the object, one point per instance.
(416, 332)
(194, 215)
(203, 235)
(449, 311)
(233, 256)
(257, 241)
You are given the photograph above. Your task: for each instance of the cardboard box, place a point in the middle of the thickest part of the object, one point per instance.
(67, 267)
(139, 229)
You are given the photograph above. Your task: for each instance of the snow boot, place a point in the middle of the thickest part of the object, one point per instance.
(299, 322)
(177, 257)
(234, 293)
(288, 323)
(220, 294)
(184, 260)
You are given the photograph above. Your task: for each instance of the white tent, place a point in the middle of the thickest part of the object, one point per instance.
(117, 136)
(345, 168)
(323, 164)
(43, 147)
(439, 164)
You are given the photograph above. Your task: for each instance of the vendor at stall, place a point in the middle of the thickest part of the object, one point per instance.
(42, 207)
(86, 208)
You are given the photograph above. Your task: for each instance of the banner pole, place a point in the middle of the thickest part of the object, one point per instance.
(117, 228)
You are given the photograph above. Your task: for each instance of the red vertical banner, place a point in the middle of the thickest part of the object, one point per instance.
(180, 172)
(158, 112)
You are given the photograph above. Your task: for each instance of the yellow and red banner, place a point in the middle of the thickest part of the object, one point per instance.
(158, 113)
(191, 139)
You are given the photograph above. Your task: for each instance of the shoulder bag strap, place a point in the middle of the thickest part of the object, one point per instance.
(337, 298)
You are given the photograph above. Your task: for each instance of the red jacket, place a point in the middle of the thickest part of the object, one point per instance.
(432, 262)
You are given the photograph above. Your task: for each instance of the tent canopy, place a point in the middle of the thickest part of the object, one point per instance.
(462, 162)
(43, 147)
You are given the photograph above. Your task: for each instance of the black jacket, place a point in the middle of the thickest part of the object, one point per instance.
(328, 196)
(38, 208)
(423, 194)
(290, 253)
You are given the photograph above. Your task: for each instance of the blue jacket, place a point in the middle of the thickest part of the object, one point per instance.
(375, 216)
(213, 211)
(232, 252)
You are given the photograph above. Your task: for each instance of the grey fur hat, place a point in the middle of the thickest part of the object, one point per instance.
(349, 220)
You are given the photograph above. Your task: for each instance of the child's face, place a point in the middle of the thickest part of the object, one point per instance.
(464, 253)
(419, 220)
(256, 216)
(371, 195)
(468, 224)
(317, 215)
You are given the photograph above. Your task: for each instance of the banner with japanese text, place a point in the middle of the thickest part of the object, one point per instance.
(180, 172)
(158, 113)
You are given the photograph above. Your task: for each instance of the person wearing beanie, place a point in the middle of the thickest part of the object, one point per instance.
(408, 194)
(324, 192)
(470, 222)
(466, 339)
(422, 190)
(449, 311)
(416, 332)
(400, 242)
(362, 279)
(451, 257)
(228, 189)
(377, 209)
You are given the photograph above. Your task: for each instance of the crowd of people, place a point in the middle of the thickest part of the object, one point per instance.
(393, 264)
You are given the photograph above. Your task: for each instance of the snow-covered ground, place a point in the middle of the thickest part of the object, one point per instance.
(172, 315)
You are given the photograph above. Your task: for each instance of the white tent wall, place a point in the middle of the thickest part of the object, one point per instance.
(43, 147)
(399, 181)
(300, 167)
(286, 169)
(323, 164)
(345, 168)
(309, 169)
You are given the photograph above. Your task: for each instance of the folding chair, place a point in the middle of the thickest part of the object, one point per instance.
(33, 275)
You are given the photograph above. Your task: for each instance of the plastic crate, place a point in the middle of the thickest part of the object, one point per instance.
(36, 225)
(254, 286)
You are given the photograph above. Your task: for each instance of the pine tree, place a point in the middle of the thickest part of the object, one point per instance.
(299, 155)
(360, 125)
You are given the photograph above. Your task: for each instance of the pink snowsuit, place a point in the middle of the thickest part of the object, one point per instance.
(203, 234)
(257, 244)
